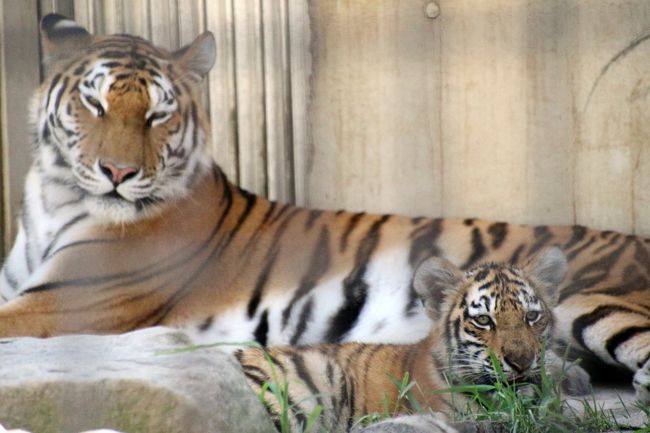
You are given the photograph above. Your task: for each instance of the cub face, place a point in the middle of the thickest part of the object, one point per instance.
(119, 120)
(492, 308)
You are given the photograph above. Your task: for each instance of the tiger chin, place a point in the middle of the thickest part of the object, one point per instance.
(492, 308)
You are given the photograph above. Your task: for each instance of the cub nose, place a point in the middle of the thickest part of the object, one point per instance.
(520, 363)
(117, 173)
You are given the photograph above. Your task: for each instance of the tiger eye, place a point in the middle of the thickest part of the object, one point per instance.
(531, 316)
(483, 320)
(96, 105)
(155, 116)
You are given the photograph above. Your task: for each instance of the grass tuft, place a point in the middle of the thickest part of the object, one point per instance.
(530, 408)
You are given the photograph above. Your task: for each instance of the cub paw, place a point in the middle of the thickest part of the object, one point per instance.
(641, 383)
(576, 381)
(525, 390)
(573, 379)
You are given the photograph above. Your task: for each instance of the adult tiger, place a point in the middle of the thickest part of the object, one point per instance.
(128, 223)
(490, 308)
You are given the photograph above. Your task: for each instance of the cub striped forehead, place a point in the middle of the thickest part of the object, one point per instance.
(493, 287)
(487, 288)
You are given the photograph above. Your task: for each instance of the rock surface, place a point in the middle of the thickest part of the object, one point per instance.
(3, 430)
(145, 382)
(136, 383)
(409, 424)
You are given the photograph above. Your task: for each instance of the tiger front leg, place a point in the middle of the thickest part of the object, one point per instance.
(15, 270)
(25, 317)
(35, 314)
(64, 311)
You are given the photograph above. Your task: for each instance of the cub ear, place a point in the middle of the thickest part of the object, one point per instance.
(433, 280)
(199, 56)
(61, 36)
(547, 269)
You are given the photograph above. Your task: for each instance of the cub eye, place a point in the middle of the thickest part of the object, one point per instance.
(531, 316)
(157, 118)
(483, 320)
(97, 106)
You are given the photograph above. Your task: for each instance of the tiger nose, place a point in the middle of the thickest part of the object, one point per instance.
(117, 173)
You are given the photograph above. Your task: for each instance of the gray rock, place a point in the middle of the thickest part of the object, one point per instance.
(410, 424)
(135, 383)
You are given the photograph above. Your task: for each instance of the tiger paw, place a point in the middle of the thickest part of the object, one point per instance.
(641, 383)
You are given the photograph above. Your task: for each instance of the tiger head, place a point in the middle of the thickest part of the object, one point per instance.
(119, 120)
(491, 308)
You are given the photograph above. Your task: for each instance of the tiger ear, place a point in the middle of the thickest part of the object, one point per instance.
(434, 279)
(547, 270)
(199, 56)
(61, 36)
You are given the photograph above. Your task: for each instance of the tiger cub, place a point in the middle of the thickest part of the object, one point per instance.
(492, 307)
